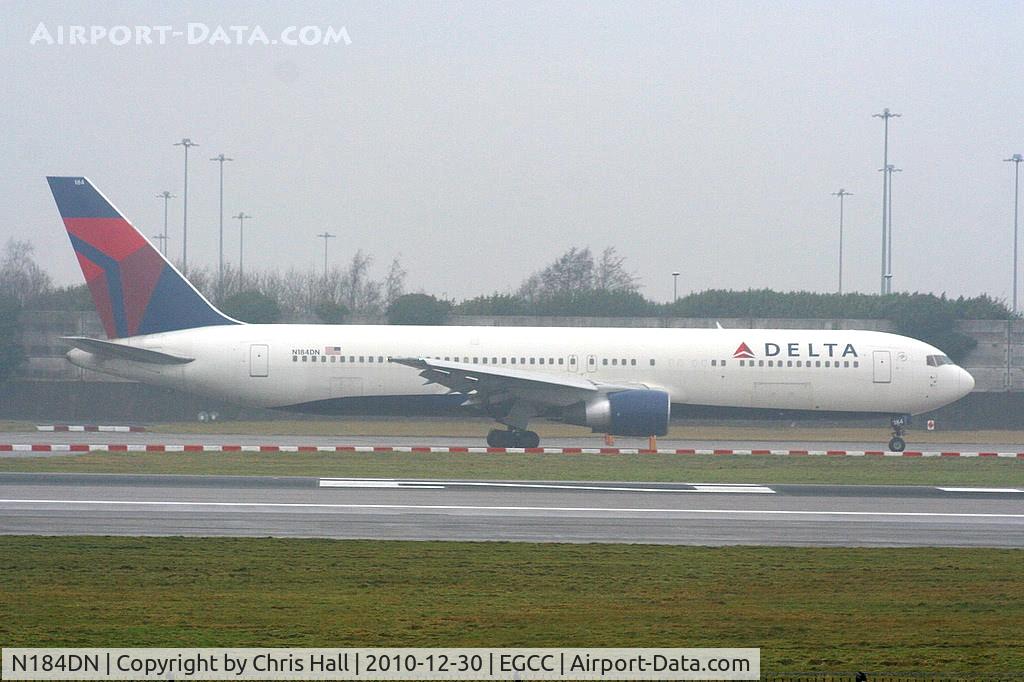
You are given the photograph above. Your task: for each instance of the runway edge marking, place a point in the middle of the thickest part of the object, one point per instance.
(405, 449)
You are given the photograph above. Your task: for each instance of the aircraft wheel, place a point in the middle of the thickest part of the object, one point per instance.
(527, 439)
(897, 444)
(499, 438)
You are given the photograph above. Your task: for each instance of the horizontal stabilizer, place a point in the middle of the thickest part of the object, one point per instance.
(119, 351)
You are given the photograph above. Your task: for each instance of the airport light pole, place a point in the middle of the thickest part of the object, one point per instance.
(890, 169)
(842, 194)
(220, 259)
(1015, 160)
(675, 288)
(885, 116)
(325, 236)
(162, 238)
(241, 218)
(186, 143)
(166, 196)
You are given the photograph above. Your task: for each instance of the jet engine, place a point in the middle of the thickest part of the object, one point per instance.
(639, 412)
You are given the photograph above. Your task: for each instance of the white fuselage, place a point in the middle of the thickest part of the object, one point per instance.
(279, 366)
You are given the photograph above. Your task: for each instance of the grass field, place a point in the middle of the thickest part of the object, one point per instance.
(808, 609)
(680, 468)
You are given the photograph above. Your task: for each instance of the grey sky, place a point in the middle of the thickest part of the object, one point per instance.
(476, 141)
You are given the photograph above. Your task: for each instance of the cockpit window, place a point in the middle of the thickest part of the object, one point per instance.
(938, 360)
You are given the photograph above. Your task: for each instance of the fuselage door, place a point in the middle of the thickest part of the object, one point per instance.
(259, 360)
(574, 365)
(883, 367)
(591, 363)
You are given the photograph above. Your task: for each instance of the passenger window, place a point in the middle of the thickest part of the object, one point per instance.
(380, 358)
(334, 358)
(856, 364)
(542, 361)
(476, 360)
(494, 361)
(760, 363)
(633, 362)
(513, 361)
(485, 360)
(362, 358)
(522, 361)
(604, 361)
(846, 363)
(305, 358)
(723, 363)
(615, 361)
(817, 363)
(341, 358)
(561, 361)
(370, 358)
(714, 363)
(323, 358)
(652, 362)
(789, 363)
(504, 361)
(295, 358)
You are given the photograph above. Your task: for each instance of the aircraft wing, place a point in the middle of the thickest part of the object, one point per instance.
(489, 384)
(120, 351)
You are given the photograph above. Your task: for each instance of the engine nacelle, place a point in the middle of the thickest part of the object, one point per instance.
(638, 412)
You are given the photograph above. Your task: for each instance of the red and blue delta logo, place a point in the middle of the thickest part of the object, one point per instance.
(743, 351)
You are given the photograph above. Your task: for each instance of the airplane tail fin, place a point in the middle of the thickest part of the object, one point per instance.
(135, 289)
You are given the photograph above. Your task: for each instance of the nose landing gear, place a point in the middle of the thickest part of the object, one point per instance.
(899, 427)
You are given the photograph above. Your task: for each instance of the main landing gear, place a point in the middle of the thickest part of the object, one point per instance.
(512, 438)
(899, 428)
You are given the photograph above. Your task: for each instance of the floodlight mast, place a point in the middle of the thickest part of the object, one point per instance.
(842, 194)
(885, 116)
(220, 254)
(186, 143)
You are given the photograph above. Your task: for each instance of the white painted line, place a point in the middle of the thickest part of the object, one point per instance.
(395, 483)
(375, 483)
(983, 490)
(456, 507)
(732, 489)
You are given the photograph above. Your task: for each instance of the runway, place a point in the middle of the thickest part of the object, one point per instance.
(534, 511)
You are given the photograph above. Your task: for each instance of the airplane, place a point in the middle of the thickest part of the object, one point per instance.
(162, 331)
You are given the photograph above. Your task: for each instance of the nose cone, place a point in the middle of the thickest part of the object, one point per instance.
(966, 382)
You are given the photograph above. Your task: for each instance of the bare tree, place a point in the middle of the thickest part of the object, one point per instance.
(611, 274)
(394, 283)
(20, 275)
(575, 271)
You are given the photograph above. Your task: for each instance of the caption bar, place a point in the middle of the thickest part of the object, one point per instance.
(381, 664)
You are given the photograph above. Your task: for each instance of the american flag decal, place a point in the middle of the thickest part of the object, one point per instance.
(332, 350)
